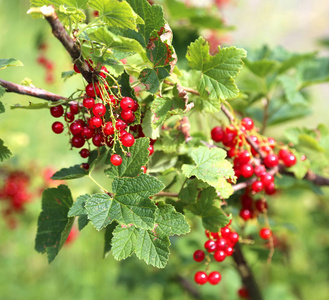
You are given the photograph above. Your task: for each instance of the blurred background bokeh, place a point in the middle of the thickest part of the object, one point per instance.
(299, 269)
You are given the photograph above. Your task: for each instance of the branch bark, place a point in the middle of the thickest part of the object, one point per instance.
(246, 274)
(30, 91)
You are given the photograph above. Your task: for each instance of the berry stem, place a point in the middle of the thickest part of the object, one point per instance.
(92, 179)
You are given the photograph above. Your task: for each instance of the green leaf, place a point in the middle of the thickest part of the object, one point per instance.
(291, 90)
(169, 222)
(130, 204)
(301, 167)
(211, 167)
(53, 224)
(108, 238)
(11, 62)
(171, 140)
(78, 207)
(217, 72)
(67, 74)
(148, 129)
(123, 241)
(189, 193)
(70, 173)
(5, 153)
(160, 161)
(105, 37)
(70, 15)
(314, 71)
(130, 166)
(31, 106)
(152, 248)
(261, 68)
(115, 13)
(2, 107)
(213, 218)
(2, 91)
(149, 78)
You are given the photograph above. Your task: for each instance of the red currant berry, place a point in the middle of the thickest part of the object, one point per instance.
(246, 201)
(245, 213)
(225, 232)
(267, 179)
(95, 122)
(257, 186)
(229, 140)
(88, 102)
(244, 157)
(219, 255)
(127, 140)
(77, 141)
(221, 244)
(289, 160)
(116, 160)
(103, 72)
(198, 256)
(243, 293)
(210, 245)
(271, 160)
(247, 123)
(217, 134)
(265, 233)
(74, 108)
(271, 142)
(213, 235)
(98, 140)
(99, 109)
(232, 152)
(108, 128)
(260, 170)
(135, 107)
(151, 150)
(283, 153)
(57, 111)
(266, 149)
(127, 103)
(109, 141)
(214, 277)
(261, 205)
(92, 90)
(57, 127)
(75, 68)
(144, 169)
(303, 157)
(229, 251)
(200, 277)
(120, 125)
(76, 128)
(234, 237)
(69, 117)
(87, 132)
(270, 189)
(127, 115)
(113, 100)
(247, 170)
(85, 166)
(84, 153)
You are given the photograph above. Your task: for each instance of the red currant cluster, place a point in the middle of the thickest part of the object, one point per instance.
(102, 117)
(46, 63)
(219, 245)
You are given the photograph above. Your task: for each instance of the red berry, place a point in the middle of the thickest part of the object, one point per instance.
(76, 128)
(151, 150)
(84, 153)
(74, 108)
(234, 237)
(198, 255)
(244, 157)
(57, 111)
(225, 232)
(85, 166)
(144, 169)
(108, 128)
(245, 213)
(217, 134)
(229, 140)
(116, 160)
(229, 251)
(200, 277)
(261, 205)
(77, 141)
(270, 189)
(95, 122)
(92, 90)
(232, 152)
(271, 160)
(214, 277)
(267, 179)
(213, 235)
(257, 186)
(128, 116)
(260, 170)
(246, 201)
(127, 140)
(266, 149)
(87, 132)
(247, 170)
(120, 125)
(221, 244)
(243, 293)
(88, 102)
(122, 133)
(289, 160)
(75, 68)
(109, 141)
(136, 105)
(113, 100)
(265, 233)
(283, 153)
(69, 117)
(57, 127)
(271, 142)
(127, 103)
(303, 157)
(99, 109)
(247, 123)
(103, 72)
(210, 245)
(219, 255)
(98, 140)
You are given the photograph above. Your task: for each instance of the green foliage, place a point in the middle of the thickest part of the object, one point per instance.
(5, 153)
(217, 72)
(53, 224)
(11, 62)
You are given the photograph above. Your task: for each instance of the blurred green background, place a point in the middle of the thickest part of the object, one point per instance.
(299, 271)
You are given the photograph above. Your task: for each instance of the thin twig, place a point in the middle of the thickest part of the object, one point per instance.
(30, 91)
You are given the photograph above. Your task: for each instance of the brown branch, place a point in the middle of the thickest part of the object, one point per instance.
(166, 194)
(30, 91)
(70, 45)
(246, 274)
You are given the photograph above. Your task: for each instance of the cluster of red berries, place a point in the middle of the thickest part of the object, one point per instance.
(102, 117)
(46, 63)
(219, 245)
